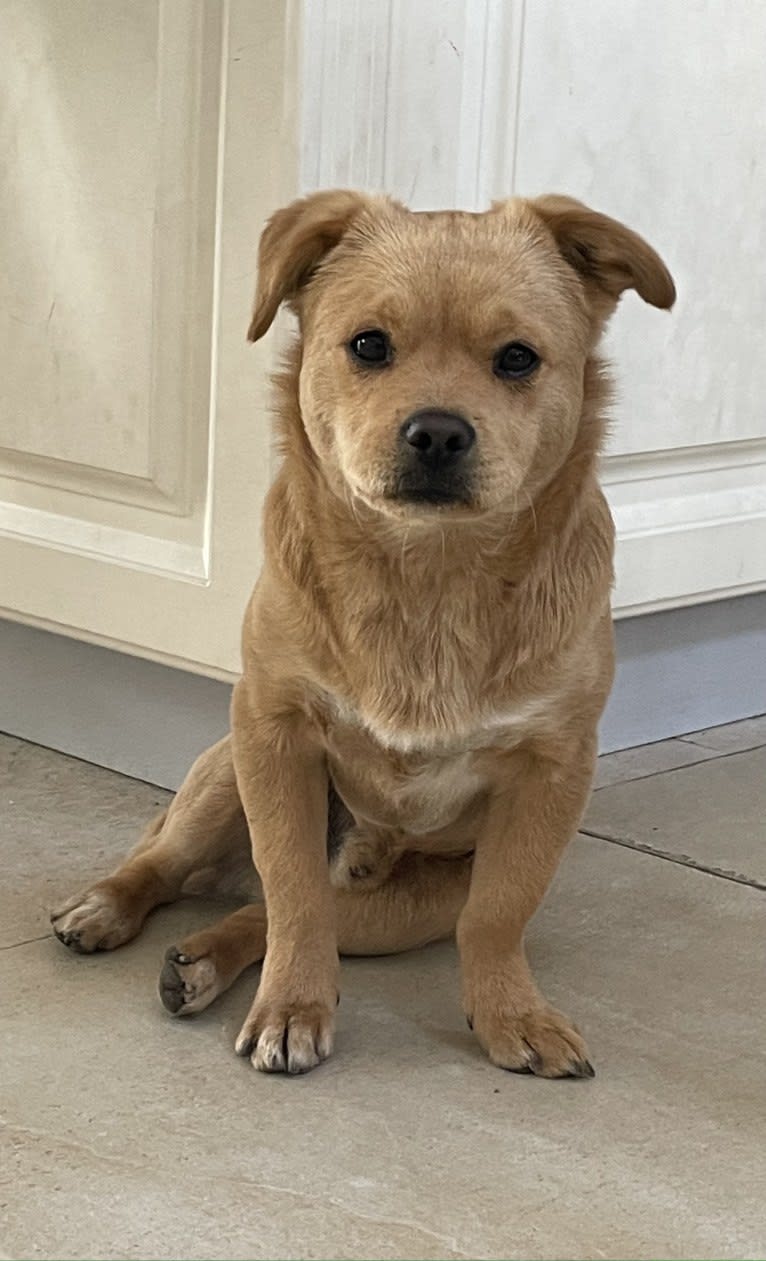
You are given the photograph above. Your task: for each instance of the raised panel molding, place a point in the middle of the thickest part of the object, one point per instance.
(417, 100)
(89, 479)
(49, 500)
(154, 553)
(691, 524)
(424, 102)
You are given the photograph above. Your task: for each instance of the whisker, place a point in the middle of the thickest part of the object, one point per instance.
(405, 540)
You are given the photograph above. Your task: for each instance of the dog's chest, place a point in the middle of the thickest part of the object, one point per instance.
(418, 779)
(441, 712)
(419, 689)
(418, 792)
(419, 706)
(428, 796)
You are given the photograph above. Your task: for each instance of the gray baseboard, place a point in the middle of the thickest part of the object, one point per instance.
(686, 669)
(678, 671)
(147, 720)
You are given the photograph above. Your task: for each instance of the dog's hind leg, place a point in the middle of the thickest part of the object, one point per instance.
(419, 902)
(190, 848)
(207, 963)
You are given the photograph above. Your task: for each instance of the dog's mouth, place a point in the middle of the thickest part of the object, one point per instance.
(445, 491)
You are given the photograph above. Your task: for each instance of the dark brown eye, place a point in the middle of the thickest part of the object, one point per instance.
(515, 361)
(372, 348)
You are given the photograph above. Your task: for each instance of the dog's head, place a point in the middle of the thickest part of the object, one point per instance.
(443, 354)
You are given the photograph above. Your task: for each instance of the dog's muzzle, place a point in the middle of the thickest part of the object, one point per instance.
(435, 458)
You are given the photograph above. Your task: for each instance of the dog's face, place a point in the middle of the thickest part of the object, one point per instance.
(443, 361)
(443, 354)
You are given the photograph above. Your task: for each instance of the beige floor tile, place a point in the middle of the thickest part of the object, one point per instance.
(734, 737)
(128, 1134)
(713, 814)
(647, 759)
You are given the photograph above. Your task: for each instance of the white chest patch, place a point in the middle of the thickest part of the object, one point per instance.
(496, 728)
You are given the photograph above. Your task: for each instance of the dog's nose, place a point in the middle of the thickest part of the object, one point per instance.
(439, 438)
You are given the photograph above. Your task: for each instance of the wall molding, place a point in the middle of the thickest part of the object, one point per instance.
(691, 523)
(77, 537)
(87, 479)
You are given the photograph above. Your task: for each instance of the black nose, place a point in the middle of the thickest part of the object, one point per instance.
(439, 438)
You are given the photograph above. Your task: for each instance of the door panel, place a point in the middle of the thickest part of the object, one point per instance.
(131, 404)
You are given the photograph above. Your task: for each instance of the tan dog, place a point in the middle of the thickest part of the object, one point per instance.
(429, 647)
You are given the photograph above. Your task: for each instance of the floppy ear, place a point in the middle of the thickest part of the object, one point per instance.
(292, 244)
(605, 252)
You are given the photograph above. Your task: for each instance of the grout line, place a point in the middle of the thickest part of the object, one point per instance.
(685, 766)
(15, 944)
(681, 860)
(698, 744)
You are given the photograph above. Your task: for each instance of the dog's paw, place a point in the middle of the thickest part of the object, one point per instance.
(539, 1041)
(361, 863)
(188, 984)
(95, 920)
(287, 1038)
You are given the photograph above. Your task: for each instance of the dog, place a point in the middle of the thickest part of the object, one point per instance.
(429, 646)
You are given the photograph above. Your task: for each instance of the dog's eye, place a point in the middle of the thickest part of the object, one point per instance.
(371, 347)
(515, 361)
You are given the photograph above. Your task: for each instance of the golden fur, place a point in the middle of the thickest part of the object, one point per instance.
(425, 678)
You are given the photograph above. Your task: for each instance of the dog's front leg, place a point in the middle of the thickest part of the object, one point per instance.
(526, 830)
(282, 782)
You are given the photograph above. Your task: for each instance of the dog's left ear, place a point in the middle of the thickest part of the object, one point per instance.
(605, 252)
(293, 242)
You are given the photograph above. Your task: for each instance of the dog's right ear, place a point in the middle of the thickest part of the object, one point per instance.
(293, 242)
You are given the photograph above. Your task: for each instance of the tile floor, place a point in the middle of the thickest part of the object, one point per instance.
(128, 1134)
